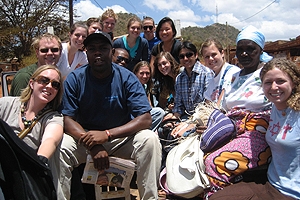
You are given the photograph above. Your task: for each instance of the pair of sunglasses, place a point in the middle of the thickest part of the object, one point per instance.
(45, 81)
(46, 50)
(121, 58)
(146, 27)
(188, 55)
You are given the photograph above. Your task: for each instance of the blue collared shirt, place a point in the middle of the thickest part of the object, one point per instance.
(190, 90)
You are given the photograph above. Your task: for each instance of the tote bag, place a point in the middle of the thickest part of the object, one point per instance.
(185, 175)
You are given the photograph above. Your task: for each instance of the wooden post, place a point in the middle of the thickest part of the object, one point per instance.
(71, 12)
(227, 46)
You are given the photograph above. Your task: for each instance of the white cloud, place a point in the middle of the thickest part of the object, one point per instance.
(117, 9)
(163, 4)
(280, 20)
(86, 9)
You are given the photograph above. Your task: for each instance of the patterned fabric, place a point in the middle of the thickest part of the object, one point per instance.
(190, 90)
(246, 93)
(246, 151)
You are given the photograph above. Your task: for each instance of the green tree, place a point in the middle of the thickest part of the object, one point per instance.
(22, 20)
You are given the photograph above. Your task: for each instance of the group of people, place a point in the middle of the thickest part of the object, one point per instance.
(104, 97)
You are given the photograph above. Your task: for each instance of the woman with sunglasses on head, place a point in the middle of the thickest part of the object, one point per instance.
(73, 54)
(191, 83)
(281, 85)
(136, 46)
(166, 32)
(213, 54)
(166, 70)
(33, 115)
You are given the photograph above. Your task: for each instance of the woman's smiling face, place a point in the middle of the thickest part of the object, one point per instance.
(277, 86)
(164, 66)
(166, 32)
(213, 58)
(187, 58)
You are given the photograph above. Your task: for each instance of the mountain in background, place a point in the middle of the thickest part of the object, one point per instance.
(196, 35)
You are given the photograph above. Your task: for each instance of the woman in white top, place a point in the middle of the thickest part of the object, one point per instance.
(73, 55)
(213, 54)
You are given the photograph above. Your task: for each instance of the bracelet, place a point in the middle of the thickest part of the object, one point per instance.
(108, 135)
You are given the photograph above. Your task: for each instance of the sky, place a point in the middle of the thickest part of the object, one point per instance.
(277, 19)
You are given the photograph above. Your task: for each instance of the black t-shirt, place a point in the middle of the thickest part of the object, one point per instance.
(174, 51)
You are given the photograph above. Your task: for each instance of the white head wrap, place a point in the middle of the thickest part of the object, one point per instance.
(253, 34)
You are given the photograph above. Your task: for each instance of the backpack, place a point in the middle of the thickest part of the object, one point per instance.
(23, 176)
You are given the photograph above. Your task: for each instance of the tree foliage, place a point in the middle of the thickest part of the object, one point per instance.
(22, 20)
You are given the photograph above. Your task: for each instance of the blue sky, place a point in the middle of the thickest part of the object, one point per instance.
(277, 19)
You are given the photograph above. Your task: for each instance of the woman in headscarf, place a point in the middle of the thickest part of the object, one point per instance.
(246, 150)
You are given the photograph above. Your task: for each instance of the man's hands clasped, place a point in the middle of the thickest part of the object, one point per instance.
(93, 141)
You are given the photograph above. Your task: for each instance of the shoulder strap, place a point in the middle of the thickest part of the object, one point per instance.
(158, 48)
(25, 131)
(222, 79)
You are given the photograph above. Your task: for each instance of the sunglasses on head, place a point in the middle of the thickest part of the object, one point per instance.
(146, 27)
(46, 50)
(188, 55)
(45, 81)
(121, 58)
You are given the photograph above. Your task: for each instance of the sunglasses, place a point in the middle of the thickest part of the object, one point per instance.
(45, 81)
(188, 55)
(146, 27)
(121, 58)
(46, 50)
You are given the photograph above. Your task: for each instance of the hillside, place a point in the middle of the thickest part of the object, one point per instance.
(197, 35)
(194, 34)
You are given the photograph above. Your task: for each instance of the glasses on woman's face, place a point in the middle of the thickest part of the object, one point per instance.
(45, 81)
(121, 58)
(188, 55)
(146, 28)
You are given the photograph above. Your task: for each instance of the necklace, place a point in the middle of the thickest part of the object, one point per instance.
(27, 123)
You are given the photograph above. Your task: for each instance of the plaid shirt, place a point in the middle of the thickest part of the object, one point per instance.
(190, 90)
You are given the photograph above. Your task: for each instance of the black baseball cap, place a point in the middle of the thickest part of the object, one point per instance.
(97, 35)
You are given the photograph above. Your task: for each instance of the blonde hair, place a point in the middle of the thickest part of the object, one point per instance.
(48, 36)
(107, 14)
(26, 93)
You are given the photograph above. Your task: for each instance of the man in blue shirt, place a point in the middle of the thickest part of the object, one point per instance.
(149, 32)
(106, 113)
